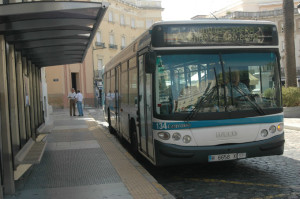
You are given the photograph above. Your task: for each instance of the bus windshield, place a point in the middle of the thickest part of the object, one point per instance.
(217, 82)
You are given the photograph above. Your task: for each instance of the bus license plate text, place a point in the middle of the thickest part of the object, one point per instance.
(224, 157)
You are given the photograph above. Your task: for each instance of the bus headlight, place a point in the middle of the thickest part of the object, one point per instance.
(272, 129)
(186, 139)
(264, 133)
(176, 136)
(280, 127)
(164, 135)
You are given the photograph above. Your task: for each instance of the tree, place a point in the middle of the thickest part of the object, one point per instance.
(289, 44)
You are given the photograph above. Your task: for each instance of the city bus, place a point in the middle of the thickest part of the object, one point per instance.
(198, 91)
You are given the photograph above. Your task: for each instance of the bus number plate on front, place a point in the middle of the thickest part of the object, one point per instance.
(224, 157)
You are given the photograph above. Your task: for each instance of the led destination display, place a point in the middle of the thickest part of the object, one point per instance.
(214, 35)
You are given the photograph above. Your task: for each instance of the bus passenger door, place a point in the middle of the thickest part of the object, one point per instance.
(145, 109)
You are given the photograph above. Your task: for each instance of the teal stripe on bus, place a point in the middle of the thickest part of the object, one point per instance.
(213, 123)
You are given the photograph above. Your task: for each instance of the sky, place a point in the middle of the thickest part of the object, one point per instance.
(186, 9)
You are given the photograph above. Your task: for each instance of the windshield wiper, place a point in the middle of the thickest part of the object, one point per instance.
(207, 95)
(254, 104)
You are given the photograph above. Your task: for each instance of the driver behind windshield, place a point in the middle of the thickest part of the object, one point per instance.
(236, 88)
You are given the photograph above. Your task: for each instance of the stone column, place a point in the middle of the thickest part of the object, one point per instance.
(38, 83)
(21, 98)
(8, 173)
(41, 96)
(31, 99)
(13, 102)
(36, 101)
(27, 95)
(46, 107)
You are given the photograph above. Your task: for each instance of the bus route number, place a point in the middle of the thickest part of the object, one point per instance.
(161, 125)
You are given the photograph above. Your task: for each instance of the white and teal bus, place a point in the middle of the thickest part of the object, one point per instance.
(198, 91)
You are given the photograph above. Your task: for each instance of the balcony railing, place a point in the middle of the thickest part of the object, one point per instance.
(100, 44)
(113, 46)
(262, 14)
(143, 4)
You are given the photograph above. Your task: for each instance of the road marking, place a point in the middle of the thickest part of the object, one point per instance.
(243, 183)
(275, 196)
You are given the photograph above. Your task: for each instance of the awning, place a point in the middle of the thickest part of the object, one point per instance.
(51, 33)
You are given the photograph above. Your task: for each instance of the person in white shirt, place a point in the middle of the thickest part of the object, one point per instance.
(79, 98)
(71, 96)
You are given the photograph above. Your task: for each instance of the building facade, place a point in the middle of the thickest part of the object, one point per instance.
(123, 22)
(266, 10)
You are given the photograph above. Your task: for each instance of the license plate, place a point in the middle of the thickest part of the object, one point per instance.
(224, 157)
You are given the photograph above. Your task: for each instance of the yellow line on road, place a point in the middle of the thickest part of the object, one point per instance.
(242, 183)
(275, 196)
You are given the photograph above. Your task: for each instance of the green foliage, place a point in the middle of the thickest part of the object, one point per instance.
(291, 96)
(269, 93)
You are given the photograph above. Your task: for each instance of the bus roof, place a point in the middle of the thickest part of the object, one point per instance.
(143, 40)
(219, 21)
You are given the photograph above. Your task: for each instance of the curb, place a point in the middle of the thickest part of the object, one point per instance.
(160, 192)
(290, 127)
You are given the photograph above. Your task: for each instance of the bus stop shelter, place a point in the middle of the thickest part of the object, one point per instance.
(35, 35)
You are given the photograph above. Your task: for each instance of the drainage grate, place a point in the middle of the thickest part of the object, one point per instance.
(69, 122)
(70, 137)
(67, 168)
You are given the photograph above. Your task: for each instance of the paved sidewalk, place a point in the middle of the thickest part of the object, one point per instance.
(83, 160)
(292, 123)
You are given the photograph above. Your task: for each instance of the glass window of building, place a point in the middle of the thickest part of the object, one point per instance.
(110, 16)
(98, 36)
(100, 64)
(122, 20)
(123, 40)
(111, 39)
(132, 23)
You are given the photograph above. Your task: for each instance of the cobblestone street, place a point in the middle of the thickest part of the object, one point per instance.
(273, 177)
(257, 178)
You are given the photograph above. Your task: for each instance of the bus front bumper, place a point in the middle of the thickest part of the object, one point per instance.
(170, 154)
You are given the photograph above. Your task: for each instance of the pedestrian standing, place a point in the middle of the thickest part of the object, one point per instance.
(72, 100)
(79, 98)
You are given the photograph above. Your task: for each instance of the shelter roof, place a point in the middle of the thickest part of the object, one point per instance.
(51, 33)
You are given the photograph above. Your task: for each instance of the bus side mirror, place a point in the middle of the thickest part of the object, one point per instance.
(150, 62)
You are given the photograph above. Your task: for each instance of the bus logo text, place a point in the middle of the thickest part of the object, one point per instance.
(226, 134)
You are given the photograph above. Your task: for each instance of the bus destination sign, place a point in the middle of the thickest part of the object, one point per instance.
(215, 34)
